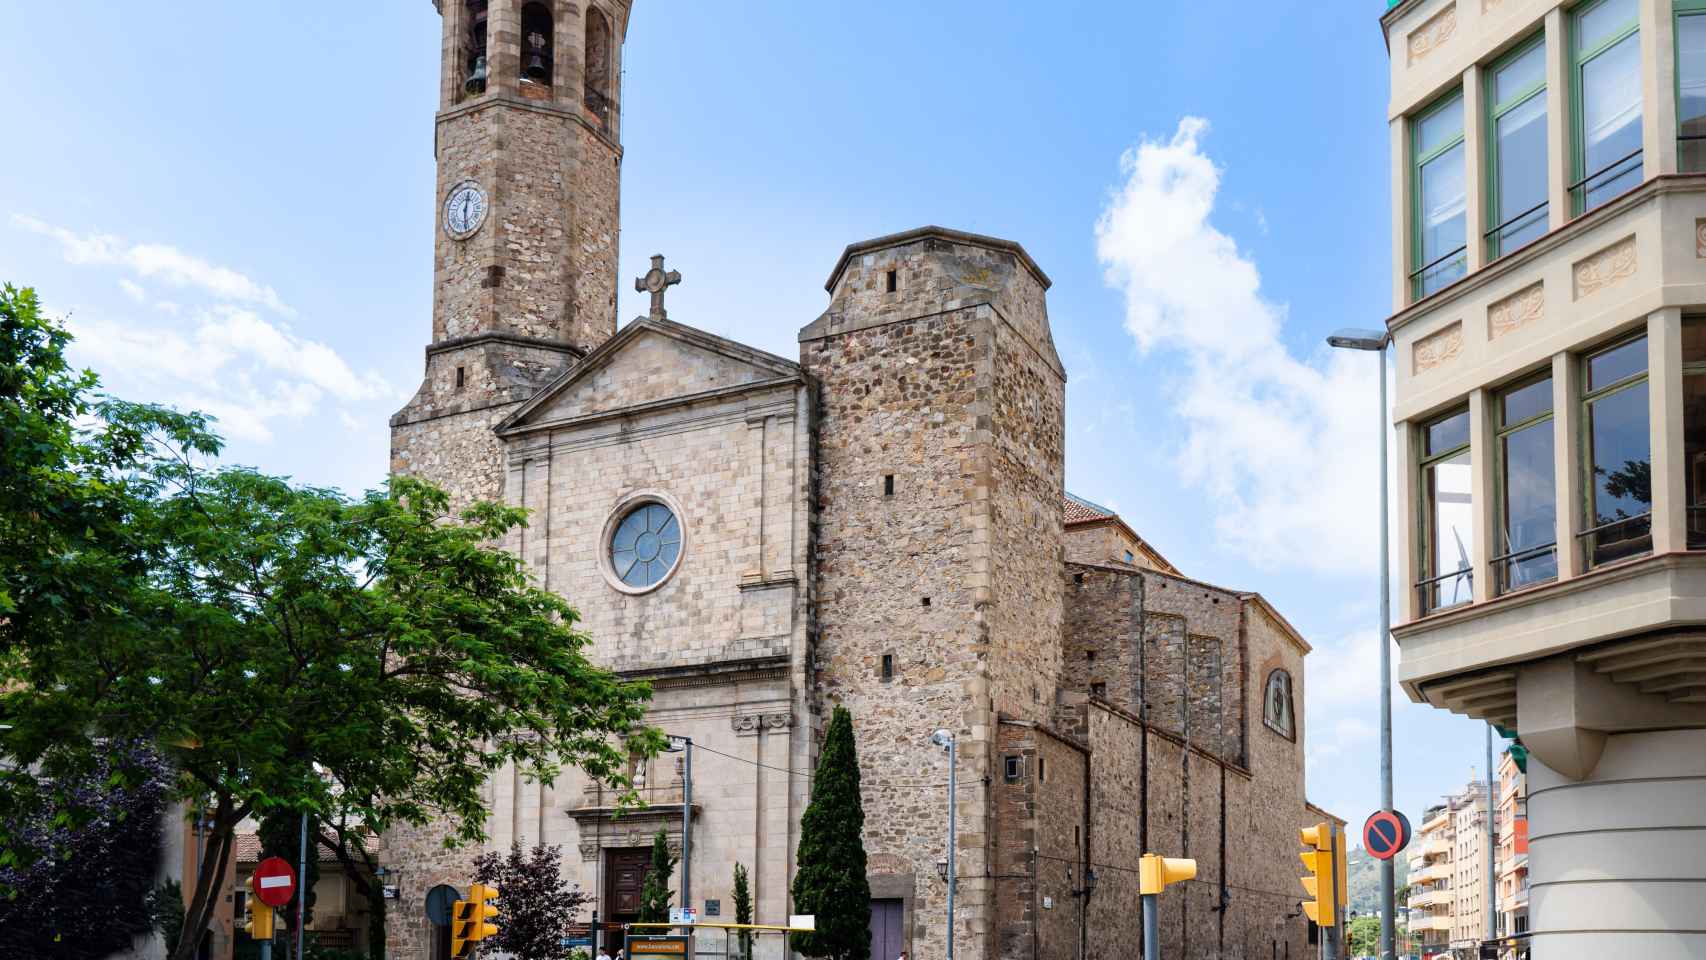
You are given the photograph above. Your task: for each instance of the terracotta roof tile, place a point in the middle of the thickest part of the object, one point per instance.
(1079, 510)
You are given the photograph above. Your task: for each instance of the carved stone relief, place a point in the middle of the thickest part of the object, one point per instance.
(1606, 268)
(752, 724)
(1439, 347)
(1700, 239)
(1431, 35)
(1524, 307)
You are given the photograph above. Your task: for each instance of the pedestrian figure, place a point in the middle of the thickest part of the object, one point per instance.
(603, 954)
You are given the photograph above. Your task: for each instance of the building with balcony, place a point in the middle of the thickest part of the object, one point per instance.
(1513, 856)
(1549, 328)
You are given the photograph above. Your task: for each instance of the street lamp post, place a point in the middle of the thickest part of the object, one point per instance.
(1377, 341)
(686, 818)
(945, 740)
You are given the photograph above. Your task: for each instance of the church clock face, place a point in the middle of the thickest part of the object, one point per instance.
(464, 210)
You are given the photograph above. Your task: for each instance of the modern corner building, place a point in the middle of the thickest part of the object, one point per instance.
(1549, 286)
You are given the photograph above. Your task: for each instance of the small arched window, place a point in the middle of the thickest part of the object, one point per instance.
(1277, 706)
(474, 48)
(538, 40)
(597, 83)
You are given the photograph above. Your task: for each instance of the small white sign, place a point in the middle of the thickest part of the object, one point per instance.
(1048, 903)
(803, 921)
(267, 883)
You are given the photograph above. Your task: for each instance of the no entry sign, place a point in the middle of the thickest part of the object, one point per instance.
(1386, 833)
(274, 882)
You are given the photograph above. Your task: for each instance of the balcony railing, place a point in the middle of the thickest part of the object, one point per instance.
(1440, 272)
(1618, 540)
(1584, 192)
(1525, 568)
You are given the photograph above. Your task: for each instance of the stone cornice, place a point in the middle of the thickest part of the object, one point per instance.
(952, 236)
(496, 98)
(514, 339)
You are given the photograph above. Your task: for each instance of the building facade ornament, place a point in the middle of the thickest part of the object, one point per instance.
(1437, 348)
(1433, 34)
(1606, 268)
(1520, 309)
(752, 724)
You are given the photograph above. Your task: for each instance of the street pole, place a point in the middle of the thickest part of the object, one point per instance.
(687, 828)
(1151, 928)
(1492, 847)
(301, 883)
(953, 864)
(1378, 341)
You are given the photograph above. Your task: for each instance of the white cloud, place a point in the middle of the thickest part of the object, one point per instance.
(133, 290)
(1284, 446)
(157, 262)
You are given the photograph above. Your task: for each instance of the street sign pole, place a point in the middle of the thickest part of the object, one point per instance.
(301, 871)
(1151, 928)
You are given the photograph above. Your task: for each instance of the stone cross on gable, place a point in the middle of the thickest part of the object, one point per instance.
(655, 282)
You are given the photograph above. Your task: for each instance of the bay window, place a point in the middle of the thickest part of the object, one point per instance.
(1516, 149)
(1448, 531)
(1527, 523)
(1694, 427)
(1606, 65)
(1691, 85)
(1441, 201)
(1619, 454)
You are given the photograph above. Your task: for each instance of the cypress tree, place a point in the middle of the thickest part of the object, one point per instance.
(831, 880)
(655, 894)
(743, 911)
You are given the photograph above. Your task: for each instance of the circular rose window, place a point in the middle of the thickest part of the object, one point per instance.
(645, 545)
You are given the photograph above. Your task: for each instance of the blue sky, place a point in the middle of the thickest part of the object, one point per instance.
(234, 204)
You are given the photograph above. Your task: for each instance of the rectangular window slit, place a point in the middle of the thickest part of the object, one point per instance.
(459, 378)
(1014, 768)
(926, 601)
(893, 281)
(888, 666)
(1042, 771)
(888, 484)
(1099, 691)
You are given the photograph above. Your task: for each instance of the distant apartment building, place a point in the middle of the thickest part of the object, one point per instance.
(1513, 858)
(1448, 876)
(1549, 329)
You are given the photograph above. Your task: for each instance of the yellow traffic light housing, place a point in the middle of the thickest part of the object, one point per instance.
(470, 919)
(484, 912)
(257, 920)
(1325, 884)
(1155, 872)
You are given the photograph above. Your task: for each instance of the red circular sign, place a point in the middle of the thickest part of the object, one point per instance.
(1386, 833)
(274, 882)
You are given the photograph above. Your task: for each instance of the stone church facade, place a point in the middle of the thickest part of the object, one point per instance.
(881, 523)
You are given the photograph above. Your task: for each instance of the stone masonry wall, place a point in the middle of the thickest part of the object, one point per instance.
(1040, 829)
(894, 579)
(1026, 487)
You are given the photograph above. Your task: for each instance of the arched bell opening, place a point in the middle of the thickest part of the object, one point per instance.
(474, 48)
(597, 79)
(538, 39)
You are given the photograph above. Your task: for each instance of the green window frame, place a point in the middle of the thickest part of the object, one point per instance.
(1509, 233)
(1611, 177)
(1632, 534)
(1690, 141)
(1531, 561)
(1432, 585)
(1443, 269)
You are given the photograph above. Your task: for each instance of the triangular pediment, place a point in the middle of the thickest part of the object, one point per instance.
(649, 362)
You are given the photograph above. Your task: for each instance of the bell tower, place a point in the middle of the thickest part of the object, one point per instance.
(528, 144)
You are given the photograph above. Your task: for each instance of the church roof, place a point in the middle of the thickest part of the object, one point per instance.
(952, 236)
(1080, 510)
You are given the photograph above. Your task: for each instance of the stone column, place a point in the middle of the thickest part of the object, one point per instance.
(1558, 169)
(1664, 399)
(1402, 212)
(1658, 87)
(1475, 166)
(1482, 491)
(1566, 473)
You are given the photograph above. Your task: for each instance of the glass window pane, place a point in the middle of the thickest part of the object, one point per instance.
(1444, 200)
(1694, 429)
(1617, 363)
(1621, 448)
(1611, 121)
(1519, 404)
(1439, 128)
(1528, 514)
(1520, 179)
(1520, 75)
(645, 545)
(1691, 90)
(1451, 534)
(1603, 21)
(1447, 434)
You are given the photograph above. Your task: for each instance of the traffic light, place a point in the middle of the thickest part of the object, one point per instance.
(1321, 859)
(470, 918)
(1155, 872)
(257, 919)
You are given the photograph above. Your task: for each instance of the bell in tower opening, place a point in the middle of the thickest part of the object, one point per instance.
(474, 49)
(536, 61)
(597, 80)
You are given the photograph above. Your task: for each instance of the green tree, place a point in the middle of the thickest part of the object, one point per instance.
(284, 647)
(831, 881)
(655, 894)
(280, 834)
(743, 911)
(1362, 937)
